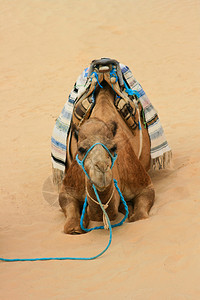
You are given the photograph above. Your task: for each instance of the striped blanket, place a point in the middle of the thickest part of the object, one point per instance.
(160, 150)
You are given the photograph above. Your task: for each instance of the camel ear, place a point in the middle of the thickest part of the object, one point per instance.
(76, 134)
(113, 126)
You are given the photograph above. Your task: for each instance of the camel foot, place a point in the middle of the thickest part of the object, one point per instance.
(72, 226)
(138, 216)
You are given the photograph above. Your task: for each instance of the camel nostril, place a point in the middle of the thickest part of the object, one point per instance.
(102, 166)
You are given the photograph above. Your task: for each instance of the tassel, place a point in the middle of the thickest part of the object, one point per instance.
(162, 162)
(105, 222)
(105, 206)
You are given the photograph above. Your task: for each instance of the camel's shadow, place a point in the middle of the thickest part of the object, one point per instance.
(50, 192)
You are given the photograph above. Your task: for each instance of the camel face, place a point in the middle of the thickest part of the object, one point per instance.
(97, 165)
(98, 161)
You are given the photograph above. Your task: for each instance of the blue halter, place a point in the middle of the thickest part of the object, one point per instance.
(81, 162)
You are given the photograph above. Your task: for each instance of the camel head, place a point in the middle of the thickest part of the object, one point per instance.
(98, 161)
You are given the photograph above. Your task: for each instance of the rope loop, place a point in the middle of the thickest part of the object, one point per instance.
(98, 199)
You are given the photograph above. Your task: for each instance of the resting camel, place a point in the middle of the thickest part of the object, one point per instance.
(106, 126)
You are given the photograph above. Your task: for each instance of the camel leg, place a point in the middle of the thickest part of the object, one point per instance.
(142, 204)
(72, 210)
(130, 208)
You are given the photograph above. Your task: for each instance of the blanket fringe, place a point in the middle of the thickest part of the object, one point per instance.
(162, 162)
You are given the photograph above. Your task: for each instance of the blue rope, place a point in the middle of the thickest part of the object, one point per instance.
(113, 73)
(81, 163)
(131, 92)
(97, 196)
(68, 258)
(61, 258)
(113, 158)
(97, 78)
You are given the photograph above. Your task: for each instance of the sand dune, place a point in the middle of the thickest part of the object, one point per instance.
(44, 47)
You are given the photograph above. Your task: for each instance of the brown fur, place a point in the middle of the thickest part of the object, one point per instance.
(130, 172)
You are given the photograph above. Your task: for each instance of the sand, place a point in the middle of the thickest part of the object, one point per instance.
(45, 45)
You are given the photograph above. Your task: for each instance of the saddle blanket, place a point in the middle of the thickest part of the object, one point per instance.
(160, 150)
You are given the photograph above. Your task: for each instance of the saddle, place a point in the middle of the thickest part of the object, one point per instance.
(108, 70)
(105, 69)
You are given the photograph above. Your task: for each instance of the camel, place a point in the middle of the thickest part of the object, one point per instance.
(106, 126)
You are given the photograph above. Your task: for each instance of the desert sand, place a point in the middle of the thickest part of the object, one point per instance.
(45, 45)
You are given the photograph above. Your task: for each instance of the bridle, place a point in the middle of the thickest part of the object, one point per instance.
(106, 220)
(81, 162)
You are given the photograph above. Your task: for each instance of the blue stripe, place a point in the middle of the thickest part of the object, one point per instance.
(62, 126)
(141, 92)
(125, 69)
(66, 114)
(149, 108)
(86, 72)
(71, 100)
(58, 144)
(156, 134)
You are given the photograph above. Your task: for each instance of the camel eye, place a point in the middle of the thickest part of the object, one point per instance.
(114, 148)
(81, 150)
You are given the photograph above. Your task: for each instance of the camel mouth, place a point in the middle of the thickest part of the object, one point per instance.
(101, 180)
(101, 189)
(102, 186)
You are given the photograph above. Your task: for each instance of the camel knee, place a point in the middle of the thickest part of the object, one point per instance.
(146, 198)
(62, 199)
(69, 205)
(142, 204)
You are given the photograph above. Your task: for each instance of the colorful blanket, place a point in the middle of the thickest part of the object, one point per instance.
(160, 150)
